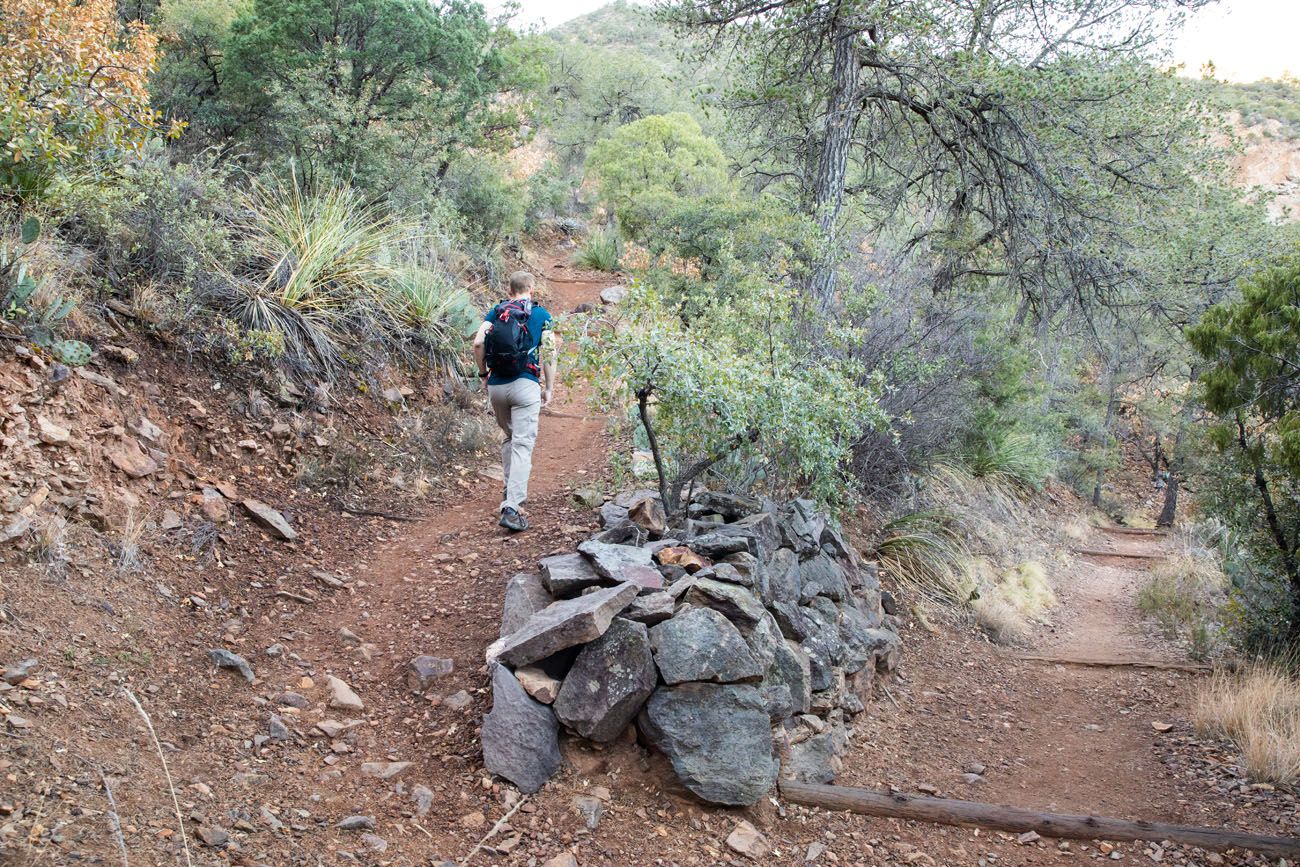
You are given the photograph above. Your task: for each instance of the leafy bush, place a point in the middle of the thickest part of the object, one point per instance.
(60, 103)
(491, 204)
(434, 316)
(601, 251)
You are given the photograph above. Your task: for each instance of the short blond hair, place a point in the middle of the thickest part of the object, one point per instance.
(520, 282)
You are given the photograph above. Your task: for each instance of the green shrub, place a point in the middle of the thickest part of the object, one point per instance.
(490, 202)
(602, 251)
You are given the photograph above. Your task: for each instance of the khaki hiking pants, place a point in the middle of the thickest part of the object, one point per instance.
(517, 406)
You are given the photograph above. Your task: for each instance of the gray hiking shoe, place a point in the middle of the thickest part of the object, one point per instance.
(513, 521)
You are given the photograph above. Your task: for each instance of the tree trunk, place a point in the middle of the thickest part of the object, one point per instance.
(842, 112)
(1169, 510)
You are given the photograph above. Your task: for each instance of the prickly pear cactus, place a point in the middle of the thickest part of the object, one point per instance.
(73, 353)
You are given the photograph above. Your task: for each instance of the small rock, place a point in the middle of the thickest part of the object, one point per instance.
(128, 457)
(51, 433)
(170, 521)
(214, 506)
(473, 820)
(357, 823)
(591, 809)
(383, 770)
(526, 594)
(424, 671)
(293, 699)
(277, 730)
(212, 836)
(374, 842)
(347, 636)
(269, 519)
(458, 700)
(538, 683)
(423, 798)
(815, 851)
(747, 840)
(223, 658)
(564, 859)
(19, 671)
(589, 497)
(341, 695)
(1028, 837)
(613, 294)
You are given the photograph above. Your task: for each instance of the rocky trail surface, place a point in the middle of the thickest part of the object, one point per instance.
(318, 700)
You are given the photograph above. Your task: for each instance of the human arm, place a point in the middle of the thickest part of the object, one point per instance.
(550, 358)
(480, 349)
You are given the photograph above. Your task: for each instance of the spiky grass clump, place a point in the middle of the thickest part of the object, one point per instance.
(1015, 459)
(1259, 709)
(318, 260)
(921, 551)
(435, 315)
(601, 252)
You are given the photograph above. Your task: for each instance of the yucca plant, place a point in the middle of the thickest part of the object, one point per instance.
(601, 252)
(432, 313)
(1014, 458)
(318, 258)
(921, 551)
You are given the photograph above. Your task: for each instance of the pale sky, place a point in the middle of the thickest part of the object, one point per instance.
(1246, 39)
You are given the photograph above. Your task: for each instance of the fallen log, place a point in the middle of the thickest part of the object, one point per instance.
(1134, 531)
(1017, 820)
(1097, 552)
(1160, 664)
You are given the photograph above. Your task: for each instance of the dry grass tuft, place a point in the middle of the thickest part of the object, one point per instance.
(1183, 595)
(1259, 709)
(1011, 600)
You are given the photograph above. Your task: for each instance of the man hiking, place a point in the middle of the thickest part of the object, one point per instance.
(515, 351)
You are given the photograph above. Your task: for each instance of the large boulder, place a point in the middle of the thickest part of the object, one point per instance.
(520, 736)
(650, 608)
(609, 682)
(566, 623)
(525, 596)
(790, 619)
(700, 644)
(718, 738)
(565, 575)
(861, 640)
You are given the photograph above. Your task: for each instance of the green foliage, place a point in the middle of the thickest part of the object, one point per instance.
(1251, 381)
(732, 394)
(601, 251)
(491, 203)
(652, 160)
(1260, 103)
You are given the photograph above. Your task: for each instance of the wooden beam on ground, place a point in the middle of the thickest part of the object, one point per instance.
(1160, 664)
(1128, 555)
(1018, 820)
(1135, 531)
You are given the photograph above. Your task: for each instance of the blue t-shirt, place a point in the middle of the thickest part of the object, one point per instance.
(538, 321)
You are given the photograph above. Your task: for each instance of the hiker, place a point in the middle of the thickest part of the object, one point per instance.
(520, 379)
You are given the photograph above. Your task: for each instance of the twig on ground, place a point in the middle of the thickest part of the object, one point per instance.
(490, 834)
(114, 820)
(889, 695)
(171, 787)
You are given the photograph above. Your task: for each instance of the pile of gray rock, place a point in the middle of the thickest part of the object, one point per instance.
(739, 640)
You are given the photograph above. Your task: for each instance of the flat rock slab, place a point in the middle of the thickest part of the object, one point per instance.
(538, 683)
(736, 603)
(269, 519)
(650, 608)
(612, 561)
(566, 623)
(526, 594)
(520, 736)
(609, 682)
(566, 575)
(701, 645)
(718, 738)
(341, 695)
